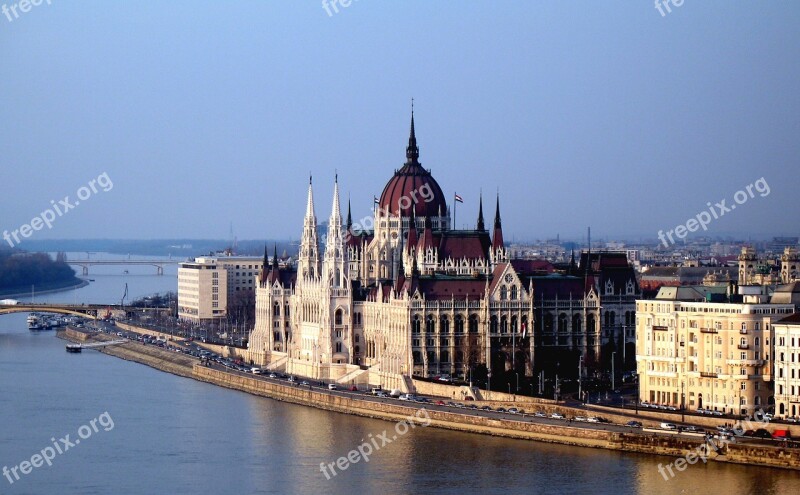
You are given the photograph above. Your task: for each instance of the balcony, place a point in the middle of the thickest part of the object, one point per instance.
(708, 374)
(743, 331)
(743, 346)
(660, 328)
(709, 330)
(682, 343)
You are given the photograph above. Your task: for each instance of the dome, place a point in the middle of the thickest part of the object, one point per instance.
(412, 188)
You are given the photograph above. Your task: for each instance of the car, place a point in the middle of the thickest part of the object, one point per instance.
(556, 415)
(376, 390)
(440, 403)
(382, 395)
(305, 383)
(593, 419)
(672, 408)
(760, 433)
(485, 408)
(331, 386)
(540, 414)
(292, 379)
(633, 424)
(718, 413)
(581, 419)
(513, 410)
(459, 405)
(451, 404)
(354, 389)
(668, 426)
(406, 397)
(691, 429)
(501, 409)
(273, 375)
(473, 407)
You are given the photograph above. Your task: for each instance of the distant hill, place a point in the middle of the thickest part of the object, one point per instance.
(177, 248)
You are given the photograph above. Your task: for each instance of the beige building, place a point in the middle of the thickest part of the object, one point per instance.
(202, 290)
(710, 348)
(787, 366)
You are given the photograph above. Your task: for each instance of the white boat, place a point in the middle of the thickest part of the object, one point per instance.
(34, 321)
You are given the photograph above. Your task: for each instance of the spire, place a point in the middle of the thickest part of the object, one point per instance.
(310, 203)
(335, 211)
(274, 257)
(349, 223)
(263, 275)
(481, 227)
(497, 237)
(412, 151)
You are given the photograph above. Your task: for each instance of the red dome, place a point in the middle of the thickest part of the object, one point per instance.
(413, 188)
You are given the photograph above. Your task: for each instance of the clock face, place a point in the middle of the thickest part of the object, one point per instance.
(509, 278)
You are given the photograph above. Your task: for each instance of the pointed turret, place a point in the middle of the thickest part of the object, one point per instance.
(412, 151)
(497, 236)
(349, 222)
(264, 267)
(308, 259)
(481, 226)
(274, 257)
(334, 267)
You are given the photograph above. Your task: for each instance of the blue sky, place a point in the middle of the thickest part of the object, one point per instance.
(581, 113)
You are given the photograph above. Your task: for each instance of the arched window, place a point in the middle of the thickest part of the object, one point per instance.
(562, 323)
(514, 324)
(514, 293)
(416, 324)
(493, 324)
(338, 317)
(286, 310)
(591, 327)
(459, 324)
(357, 350)
(276, 309)
(430, 324)
(473, 323)
(503, 293)
(576, 323)
(338, 347)
(503, 324)
(444, 325)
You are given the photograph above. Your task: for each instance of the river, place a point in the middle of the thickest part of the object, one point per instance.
(159, 433)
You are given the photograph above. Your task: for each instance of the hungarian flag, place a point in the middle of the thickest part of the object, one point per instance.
(459, 199)
(524, 328)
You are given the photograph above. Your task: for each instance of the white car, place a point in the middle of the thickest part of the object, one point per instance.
(669, 426)
(556, 415)
(331, 386)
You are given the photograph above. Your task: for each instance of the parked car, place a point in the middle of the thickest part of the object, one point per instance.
(556, 415)
(540, 414)
(514, 410)
(581, 419)
(331, 386)
(669, 426)
(691, 429)
(759, 433)
(633, 424)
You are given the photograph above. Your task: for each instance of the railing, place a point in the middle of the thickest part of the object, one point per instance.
(709, 330)
(743, 331)
(707, 374)
(660, 328)
(743, 346)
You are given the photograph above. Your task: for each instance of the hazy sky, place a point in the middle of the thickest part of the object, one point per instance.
(582, 113)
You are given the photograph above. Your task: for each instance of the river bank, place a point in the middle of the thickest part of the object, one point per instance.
(48, 289)
(390, 410)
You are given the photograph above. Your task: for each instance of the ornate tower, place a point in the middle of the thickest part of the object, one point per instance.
(498, 253)
(308, 259)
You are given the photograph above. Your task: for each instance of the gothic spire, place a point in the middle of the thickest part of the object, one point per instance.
(274, 257)
(412, 151)
(481, 227)
(349, 223)
(497, 236)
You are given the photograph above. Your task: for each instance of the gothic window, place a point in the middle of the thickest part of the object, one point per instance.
(459, 324)
(503, 293)
(338, 347)
(514, 293)
(503, 324)
(276, 310)
(430, 324)
(338, 317)
(576, 323)
(473, 323)
(562, 323)
(416, 324)
(493, 324)
(513, 324)
(444, 325)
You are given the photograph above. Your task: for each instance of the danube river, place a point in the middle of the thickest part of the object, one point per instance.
(167, 434)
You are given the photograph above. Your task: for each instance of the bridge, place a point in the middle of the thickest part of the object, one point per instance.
(85, 264)
(93, 311)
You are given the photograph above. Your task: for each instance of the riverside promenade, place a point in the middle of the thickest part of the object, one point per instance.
(527, 427)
